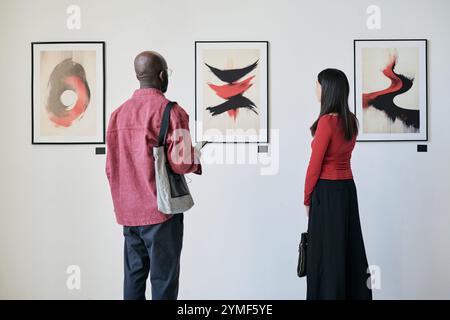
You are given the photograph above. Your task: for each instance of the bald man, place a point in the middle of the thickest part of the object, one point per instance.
(153, 240)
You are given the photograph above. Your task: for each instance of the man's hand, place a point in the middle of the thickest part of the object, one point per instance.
(197, 154)
(197, 149)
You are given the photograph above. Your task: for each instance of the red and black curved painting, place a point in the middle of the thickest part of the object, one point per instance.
(233, 91)
(383, 100)
(67, 75)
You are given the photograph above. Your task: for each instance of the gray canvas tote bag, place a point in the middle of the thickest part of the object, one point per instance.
(172, 191)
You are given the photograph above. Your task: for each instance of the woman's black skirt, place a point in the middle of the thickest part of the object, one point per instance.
(336, 258)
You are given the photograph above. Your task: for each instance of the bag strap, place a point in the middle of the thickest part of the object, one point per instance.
(165, 124)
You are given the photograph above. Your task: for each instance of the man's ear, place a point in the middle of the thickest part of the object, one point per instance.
(161, 75)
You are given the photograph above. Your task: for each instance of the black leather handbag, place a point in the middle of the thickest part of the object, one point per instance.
(302, 247)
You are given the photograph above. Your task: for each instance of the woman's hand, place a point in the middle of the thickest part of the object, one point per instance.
(307, 211)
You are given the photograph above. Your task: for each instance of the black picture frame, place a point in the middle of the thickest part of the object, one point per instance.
(426, 87)
(103, 92)
(267, 137)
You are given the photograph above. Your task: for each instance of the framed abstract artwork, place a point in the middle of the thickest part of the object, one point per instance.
(391, 89)
(231, 90)
(68, 93)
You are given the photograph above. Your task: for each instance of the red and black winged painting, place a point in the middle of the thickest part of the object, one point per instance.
(231, 91)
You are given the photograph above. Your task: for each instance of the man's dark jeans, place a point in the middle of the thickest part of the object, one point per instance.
(155, 249)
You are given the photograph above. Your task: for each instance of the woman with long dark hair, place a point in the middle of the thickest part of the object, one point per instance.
(336, 258)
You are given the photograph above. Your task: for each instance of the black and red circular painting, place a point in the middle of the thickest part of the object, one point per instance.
(68, 92)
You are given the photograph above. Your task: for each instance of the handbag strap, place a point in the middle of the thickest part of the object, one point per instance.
(165, 124)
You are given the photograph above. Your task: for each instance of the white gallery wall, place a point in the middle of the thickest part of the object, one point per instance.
(241, 238)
